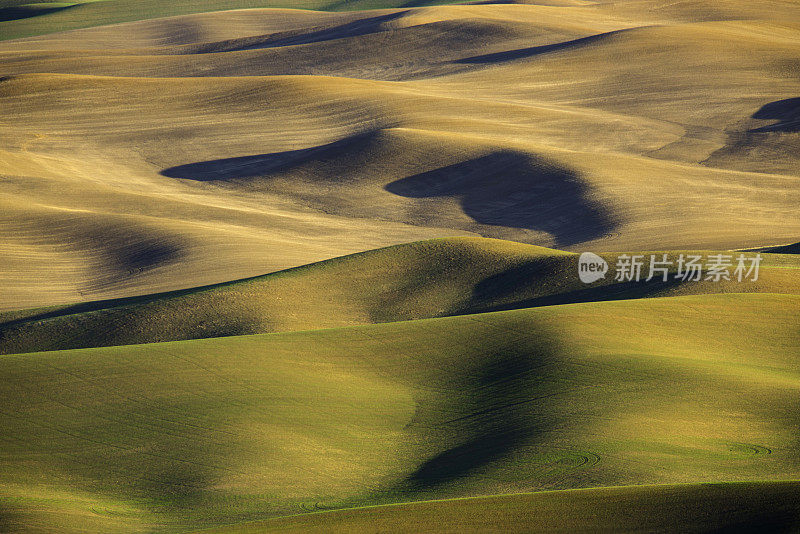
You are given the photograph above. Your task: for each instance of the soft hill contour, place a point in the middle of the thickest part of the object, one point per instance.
(314, 266)
(690, 508)
(272, 138)
(204, 432)
(414, 281)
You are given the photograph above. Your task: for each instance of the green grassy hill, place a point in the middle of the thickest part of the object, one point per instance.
(416, 359)
(205, 432)
(420, 280)
(690, 508)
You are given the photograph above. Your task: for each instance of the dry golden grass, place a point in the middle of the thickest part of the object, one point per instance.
(222, 145)
(169, 163)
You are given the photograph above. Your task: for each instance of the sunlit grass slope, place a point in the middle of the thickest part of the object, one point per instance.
(690, 508)
(154, 378)
(413, 281)
(205, 432)
(176, 152)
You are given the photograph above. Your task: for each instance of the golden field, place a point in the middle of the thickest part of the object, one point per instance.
(313, 267)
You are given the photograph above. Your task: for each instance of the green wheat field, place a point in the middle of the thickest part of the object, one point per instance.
(314, 266)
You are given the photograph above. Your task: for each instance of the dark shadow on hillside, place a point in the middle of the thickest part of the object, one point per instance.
(491, 2)
(502, 286)
(306, 36)
(139, 252)
(262, 164)
(774, 148)
(497, 415)
(144, 256)
(516, 190)
(786, 112)
(504, 188)
(424, 3)
(792, 248)
(532, 51)
(25, 12)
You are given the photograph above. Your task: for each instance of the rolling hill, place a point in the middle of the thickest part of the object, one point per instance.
(313, 266)
(414, 281)
(201, 432)
(690, 508)
(267, 139)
